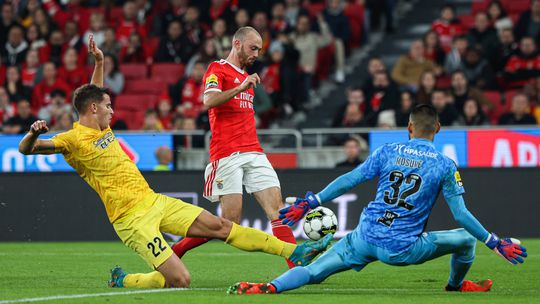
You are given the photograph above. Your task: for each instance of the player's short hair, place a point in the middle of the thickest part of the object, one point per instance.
(86, 94)
(242, 32)
(425, 119)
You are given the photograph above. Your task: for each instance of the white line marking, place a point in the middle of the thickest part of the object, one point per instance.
(105, 294)
(113, 254)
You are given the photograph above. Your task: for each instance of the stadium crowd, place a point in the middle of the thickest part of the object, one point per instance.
(478, 69)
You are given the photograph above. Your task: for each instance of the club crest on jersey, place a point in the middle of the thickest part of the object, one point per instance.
(104, 141)
(457, 176)
(219, 183)
(211, 81)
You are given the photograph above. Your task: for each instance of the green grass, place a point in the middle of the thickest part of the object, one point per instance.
(30, 270)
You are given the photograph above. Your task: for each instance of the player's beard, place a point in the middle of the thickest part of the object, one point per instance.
(244, 58)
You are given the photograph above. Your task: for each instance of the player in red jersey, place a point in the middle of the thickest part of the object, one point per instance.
(236, 157)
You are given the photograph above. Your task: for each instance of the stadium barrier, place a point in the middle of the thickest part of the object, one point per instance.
(60, 206)
(308, 148)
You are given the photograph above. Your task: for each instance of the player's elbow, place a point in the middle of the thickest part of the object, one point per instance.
(24, 150)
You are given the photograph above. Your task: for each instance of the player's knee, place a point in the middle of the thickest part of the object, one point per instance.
(469, 240)
(221, 227)
(182, 280)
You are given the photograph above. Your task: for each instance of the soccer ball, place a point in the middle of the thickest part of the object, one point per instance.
(320, 222)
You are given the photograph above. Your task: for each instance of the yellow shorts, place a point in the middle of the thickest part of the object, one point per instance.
(141, 229)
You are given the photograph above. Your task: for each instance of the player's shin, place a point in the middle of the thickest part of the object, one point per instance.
(458, 270)
(152, 279)
(284, 233)
(250, 239)
(292, 279)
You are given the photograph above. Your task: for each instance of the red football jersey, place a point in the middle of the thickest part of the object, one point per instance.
(233, 122)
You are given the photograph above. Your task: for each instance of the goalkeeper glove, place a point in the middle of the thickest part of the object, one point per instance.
(290, 215)
(508, 248)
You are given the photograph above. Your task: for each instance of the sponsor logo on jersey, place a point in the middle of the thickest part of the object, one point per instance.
(104, 141)
(211, 81)
(457, 176)
(236, 80)
(407, 150)
(407, 162)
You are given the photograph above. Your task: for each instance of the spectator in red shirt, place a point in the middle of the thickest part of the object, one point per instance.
(524, 65)
(278, 25)
(128, 24)
(447, 26)
(74, 74)
(191, 96)
(41, 95)
(220, 9)
(134, 52)
(52, 51)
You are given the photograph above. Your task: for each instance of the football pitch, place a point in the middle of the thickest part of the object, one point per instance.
(77, 273)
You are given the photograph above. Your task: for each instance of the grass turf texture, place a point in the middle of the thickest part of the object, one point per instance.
(31, 270)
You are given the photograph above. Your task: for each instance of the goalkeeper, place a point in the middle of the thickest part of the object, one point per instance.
(391, 227)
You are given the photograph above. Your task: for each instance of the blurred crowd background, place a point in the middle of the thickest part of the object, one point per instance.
(478, 67)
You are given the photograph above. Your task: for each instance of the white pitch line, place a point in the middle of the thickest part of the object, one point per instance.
(105, 294)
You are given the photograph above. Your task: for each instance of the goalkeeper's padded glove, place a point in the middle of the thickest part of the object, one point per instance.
(290, 215)
(508, 248)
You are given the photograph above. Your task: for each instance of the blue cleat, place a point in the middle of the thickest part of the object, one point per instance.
(117, 277)
(306, 252)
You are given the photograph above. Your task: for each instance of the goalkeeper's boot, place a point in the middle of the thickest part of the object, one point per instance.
(117, 277)
(251, 288)
(306, 252)
(470, 286)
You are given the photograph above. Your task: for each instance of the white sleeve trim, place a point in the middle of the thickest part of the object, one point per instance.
(211, 90)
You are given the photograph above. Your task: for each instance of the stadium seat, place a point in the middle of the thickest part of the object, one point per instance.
(134, 71)
(133, 119)
(144, 86)
(152, 45)
(167, 72)
(516, 6)
(444, 82)
(509, 94)
(133, 102)
(467, 21)
(355, 13)
(114, 14)
(493, 97)
(325, 59)
(315, 8)
(479, 6)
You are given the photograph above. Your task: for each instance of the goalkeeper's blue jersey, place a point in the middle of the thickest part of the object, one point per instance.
(411, 175)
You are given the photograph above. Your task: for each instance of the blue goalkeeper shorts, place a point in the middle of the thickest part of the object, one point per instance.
(356, 253)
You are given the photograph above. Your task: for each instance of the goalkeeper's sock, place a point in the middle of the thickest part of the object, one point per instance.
(284, 233)
(152, 279)
(458, 270)
(249, 239)
(187, 244)
(292, 279)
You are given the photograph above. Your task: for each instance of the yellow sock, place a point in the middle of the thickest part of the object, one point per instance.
(152, 279)
(249, 239)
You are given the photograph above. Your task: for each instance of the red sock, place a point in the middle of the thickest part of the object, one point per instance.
(284, 233)
(186, 244)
